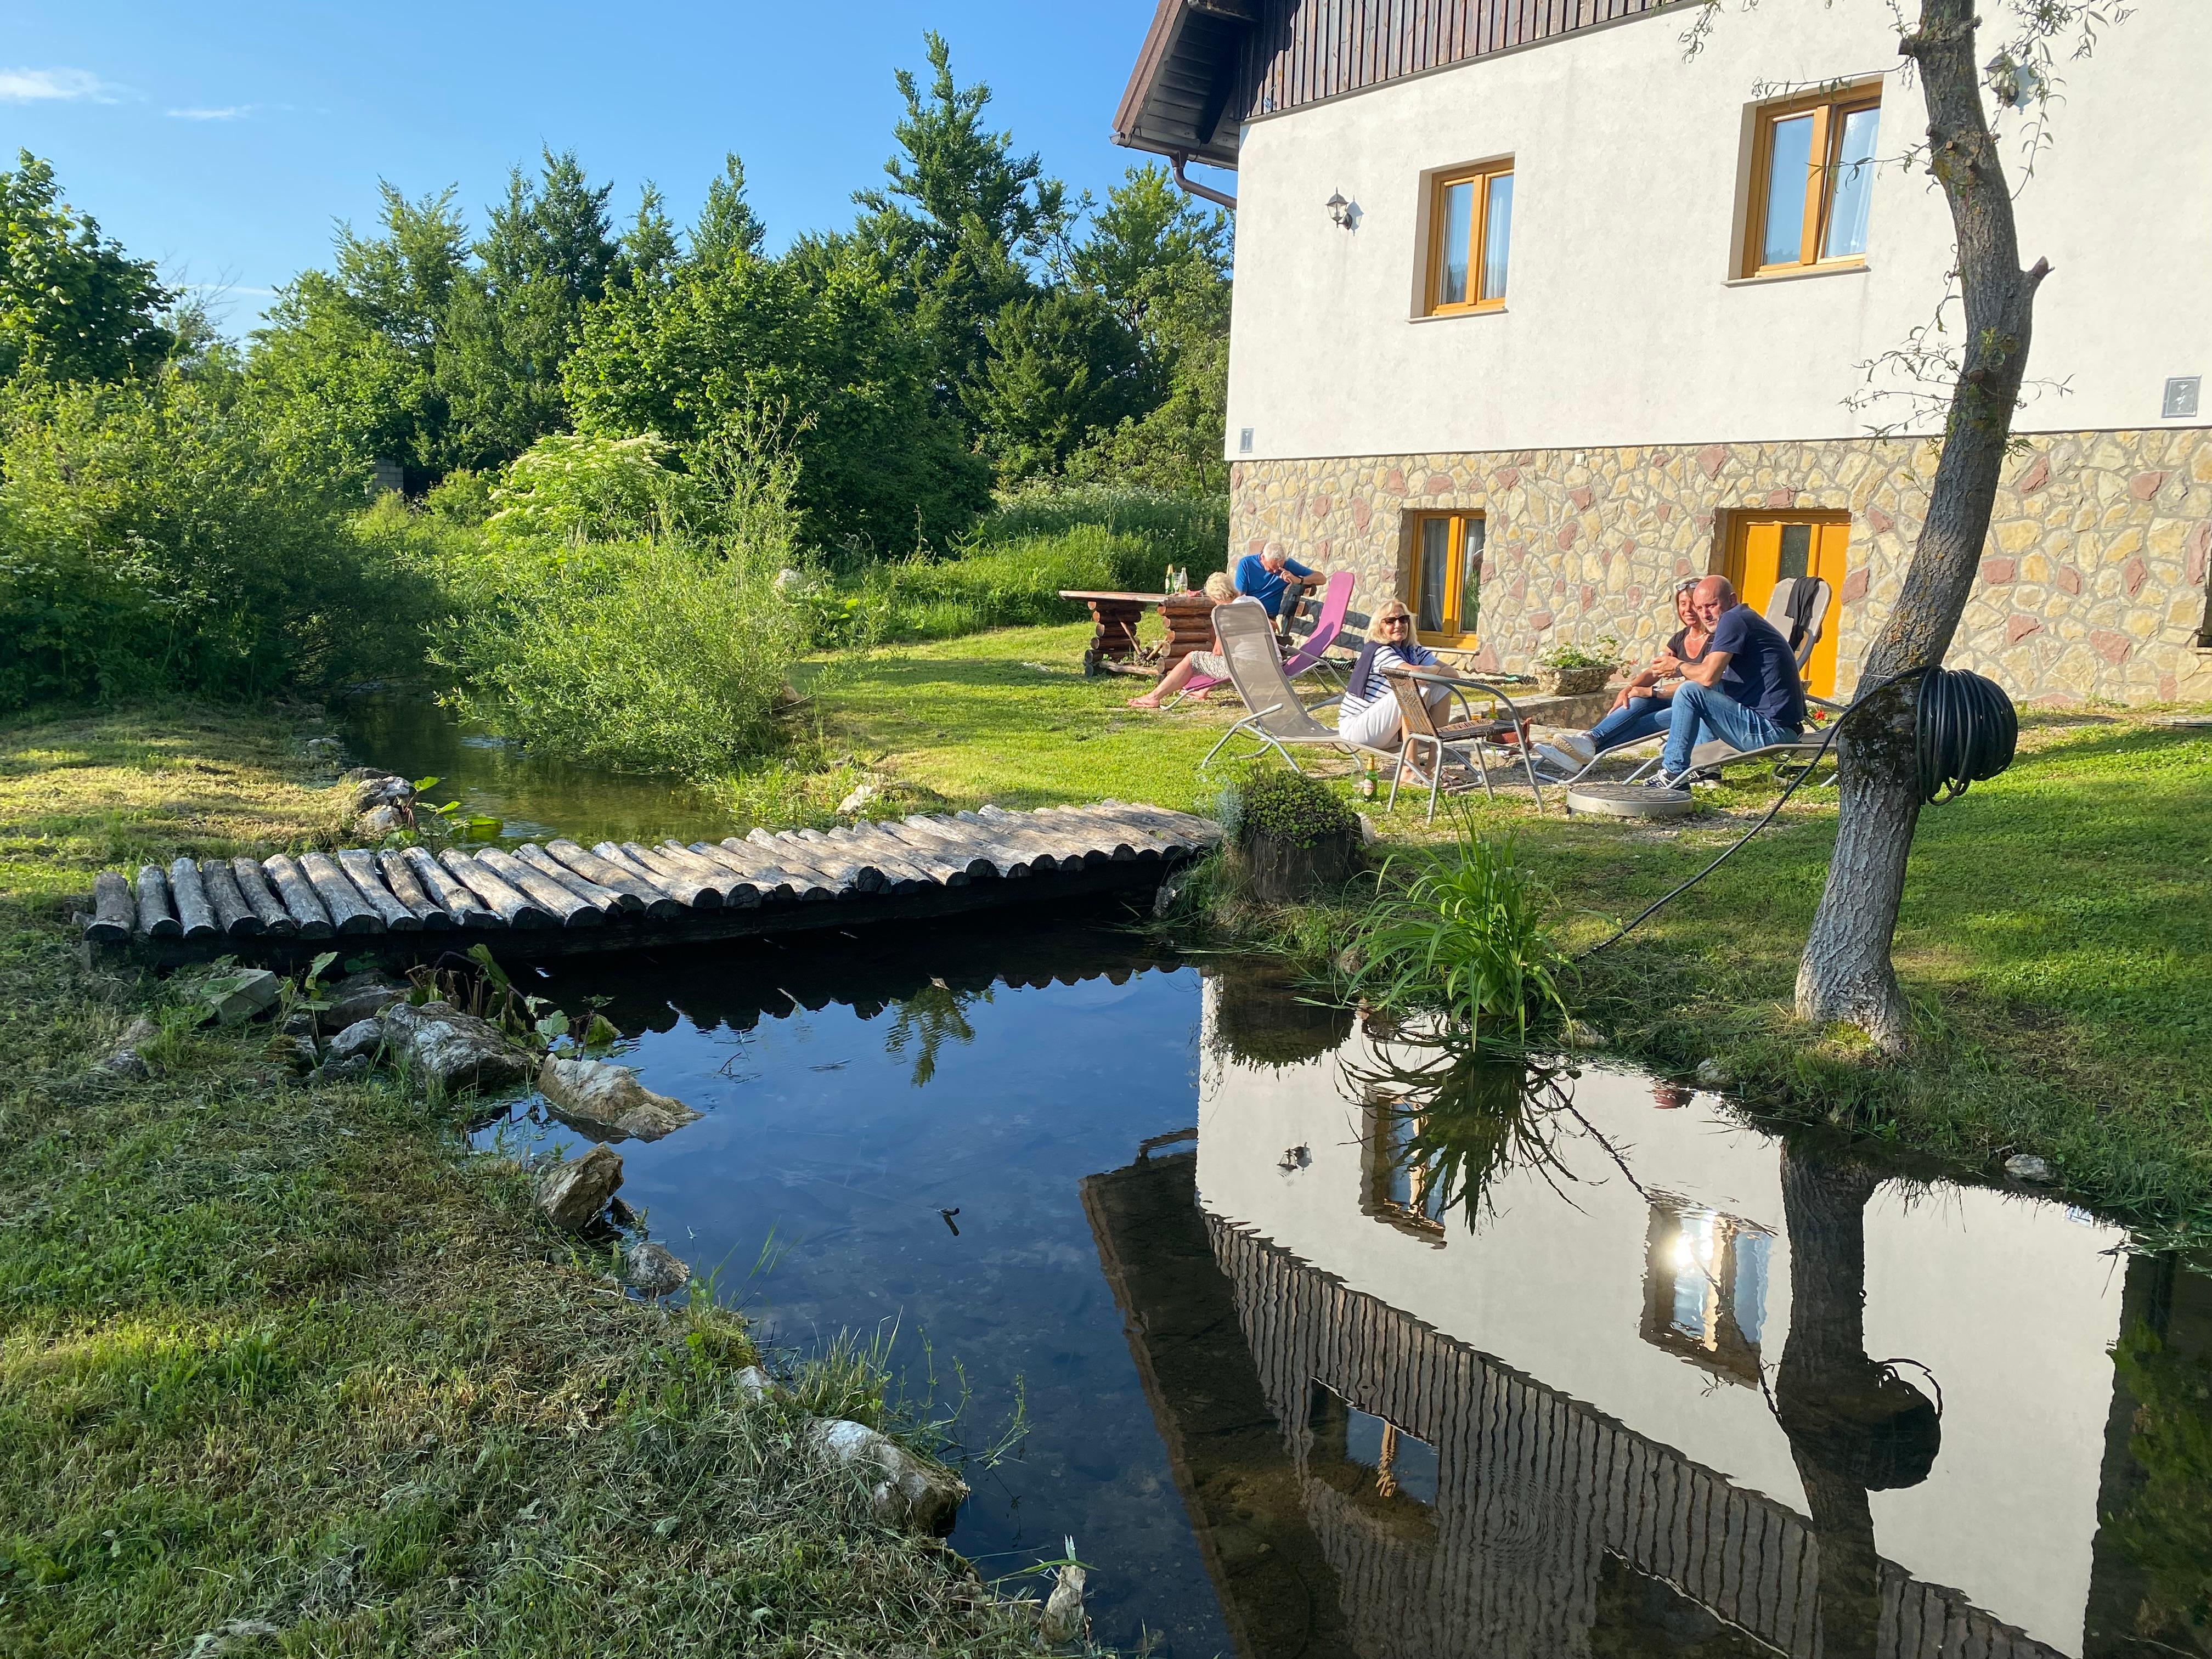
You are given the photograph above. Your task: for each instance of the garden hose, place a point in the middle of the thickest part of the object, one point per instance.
(1964, 731)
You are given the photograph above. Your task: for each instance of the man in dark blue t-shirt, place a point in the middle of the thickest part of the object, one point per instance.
(1262, 576)
(1744, 690)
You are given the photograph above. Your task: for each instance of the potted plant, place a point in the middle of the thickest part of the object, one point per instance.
(1569, 670)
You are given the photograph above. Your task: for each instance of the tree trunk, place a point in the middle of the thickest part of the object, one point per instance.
(1845, 973)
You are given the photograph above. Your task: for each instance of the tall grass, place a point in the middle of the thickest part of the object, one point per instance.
(1009, 571)
(1468, 940)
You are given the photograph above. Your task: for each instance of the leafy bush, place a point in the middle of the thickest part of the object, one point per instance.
(1289, 807)
(1467, 937)
(571, 487)
(642, 656)
(171, 536)
(1599, 654)
(661, 655)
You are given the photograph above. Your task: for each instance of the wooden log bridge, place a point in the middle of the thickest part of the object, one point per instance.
(562, 899)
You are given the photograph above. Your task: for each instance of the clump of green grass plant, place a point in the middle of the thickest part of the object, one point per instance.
(1467, 939)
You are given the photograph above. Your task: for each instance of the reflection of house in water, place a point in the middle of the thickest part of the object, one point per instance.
(1553, 1434)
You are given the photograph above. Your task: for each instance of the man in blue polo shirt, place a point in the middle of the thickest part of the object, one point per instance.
(1262, 576)
(1744, 690)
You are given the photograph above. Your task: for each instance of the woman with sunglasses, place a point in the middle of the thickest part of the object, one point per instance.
(1368, 713)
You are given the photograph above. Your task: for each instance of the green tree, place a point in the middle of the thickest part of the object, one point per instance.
(353, 351)
(649, 250)
(72, 304)
(1058, 367)
(821, 342)
(727, 225)
(510, 325)
(962, 221)
(1162, 267)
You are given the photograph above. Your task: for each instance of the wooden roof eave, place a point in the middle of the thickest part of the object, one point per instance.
(1182, 72)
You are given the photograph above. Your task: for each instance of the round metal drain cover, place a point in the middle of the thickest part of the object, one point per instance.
(1629, 800)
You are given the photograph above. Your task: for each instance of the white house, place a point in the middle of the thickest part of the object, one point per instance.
(1538, 312)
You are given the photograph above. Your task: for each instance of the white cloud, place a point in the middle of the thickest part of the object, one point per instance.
(31, 86)
(230, 113)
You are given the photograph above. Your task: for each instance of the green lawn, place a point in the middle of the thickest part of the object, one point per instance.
(1008, 717)
(2056, 937)
(282, 1367)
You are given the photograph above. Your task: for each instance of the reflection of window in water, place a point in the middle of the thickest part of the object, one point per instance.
(1704, 1287)
(1396, 1187)
(1366, 1456)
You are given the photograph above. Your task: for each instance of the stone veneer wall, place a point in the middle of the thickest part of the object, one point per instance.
(2093, 585)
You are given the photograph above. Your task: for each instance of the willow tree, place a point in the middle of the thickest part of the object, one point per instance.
(1846, 974)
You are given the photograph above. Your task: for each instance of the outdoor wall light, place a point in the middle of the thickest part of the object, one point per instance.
(1342, 213)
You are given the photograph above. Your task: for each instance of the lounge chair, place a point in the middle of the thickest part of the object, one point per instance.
(1335, 600)
(1708, 758)
(1475, 739)
(1277, 718)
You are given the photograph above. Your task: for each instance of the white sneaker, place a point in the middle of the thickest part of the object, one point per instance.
(1577, 744)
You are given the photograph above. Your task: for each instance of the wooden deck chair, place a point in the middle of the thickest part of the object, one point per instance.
(1277, 718)
(1477, 740)
(1335, 601)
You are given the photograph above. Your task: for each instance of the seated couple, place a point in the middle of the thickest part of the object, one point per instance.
(1265, 578)
(1727, 674)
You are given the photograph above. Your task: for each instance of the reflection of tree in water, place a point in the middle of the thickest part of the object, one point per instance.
(924, 1021)
(1855, 1425)
(1445, 1118)
(1262, 1017)
(2163, 1530)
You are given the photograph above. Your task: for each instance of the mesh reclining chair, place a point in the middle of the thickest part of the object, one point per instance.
(1475, 740)
(1277, 718)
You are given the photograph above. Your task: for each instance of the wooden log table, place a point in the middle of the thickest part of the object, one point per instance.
(1114, 617)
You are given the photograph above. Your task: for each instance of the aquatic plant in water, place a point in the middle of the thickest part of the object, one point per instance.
(1469, 939)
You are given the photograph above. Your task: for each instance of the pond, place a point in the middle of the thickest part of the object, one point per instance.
(534, 796)
(1323, 1339)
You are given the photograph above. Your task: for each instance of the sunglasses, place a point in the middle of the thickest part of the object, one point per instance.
(1397, 622)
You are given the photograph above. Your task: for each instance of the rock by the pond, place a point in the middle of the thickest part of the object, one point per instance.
(904, 1489)
(859, 800)
(451, 1051)
(608, 1100)
(755, 1384)
(296, 1052)
(573, 1194)
(300, 1024)
(240, 996)
(343, 1071)
(360, 996)
(364, 1037)
(2026, 1166)
(1063, 1609)
(380, 789)
(124, 1060)
(382, 821)
(1711, 1074)
(1580, 1035)
(655, 1269)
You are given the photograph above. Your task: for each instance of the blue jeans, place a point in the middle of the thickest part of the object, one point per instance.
(1639, 717)
(1708, 712)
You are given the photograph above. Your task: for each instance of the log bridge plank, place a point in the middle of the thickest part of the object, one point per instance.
(559, 899)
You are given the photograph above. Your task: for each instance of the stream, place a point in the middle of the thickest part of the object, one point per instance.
(1321, 1338)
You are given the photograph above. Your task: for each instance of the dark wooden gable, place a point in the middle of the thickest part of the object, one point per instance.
(1209, 65)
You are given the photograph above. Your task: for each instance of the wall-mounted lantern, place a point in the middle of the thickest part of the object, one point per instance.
(1342, 214)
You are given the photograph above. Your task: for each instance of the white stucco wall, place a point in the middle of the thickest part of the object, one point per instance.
(2010, 1302)
(1621, 325)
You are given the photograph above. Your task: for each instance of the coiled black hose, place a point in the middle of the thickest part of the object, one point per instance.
(1964, 731)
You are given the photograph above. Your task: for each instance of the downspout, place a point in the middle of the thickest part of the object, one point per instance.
(1204, 192)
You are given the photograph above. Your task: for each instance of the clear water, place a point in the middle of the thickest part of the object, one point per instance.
(1408, 1353)
(535, 796)
(1332, 1342)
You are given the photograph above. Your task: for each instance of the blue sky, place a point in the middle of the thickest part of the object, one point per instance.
(224, 141)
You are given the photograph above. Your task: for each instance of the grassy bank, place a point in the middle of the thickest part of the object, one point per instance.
(284, 1367)
(2054, 938)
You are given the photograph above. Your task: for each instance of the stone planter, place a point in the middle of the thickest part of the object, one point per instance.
(1284, 872)
(1573, 682)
